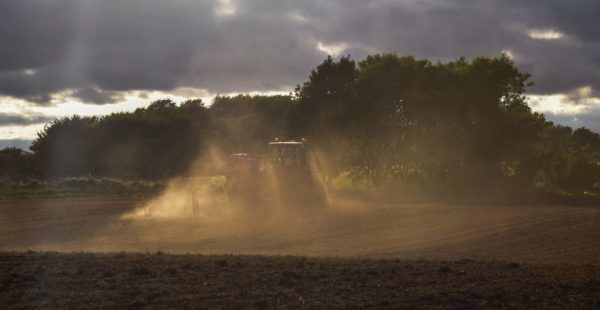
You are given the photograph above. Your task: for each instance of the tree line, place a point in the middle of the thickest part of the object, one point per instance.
(389, 121)
(402, 122)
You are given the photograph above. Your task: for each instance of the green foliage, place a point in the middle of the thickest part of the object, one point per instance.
(387, 122)
(247, 123)
(15, 162)
(161, 140)
(462, 125)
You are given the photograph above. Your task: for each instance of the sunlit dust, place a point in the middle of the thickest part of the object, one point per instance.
(183, 198)
(213, 190)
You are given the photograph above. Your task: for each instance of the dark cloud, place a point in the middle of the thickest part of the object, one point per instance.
(12, 119)
(96, 96)
(96, 48)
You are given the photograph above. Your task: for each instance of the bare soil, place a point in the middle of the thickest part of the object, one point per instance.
(346, 228)
(350, 254)
(50, 280)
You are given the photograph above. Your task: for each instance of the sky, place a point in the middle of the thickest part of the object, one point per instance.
(94, 57)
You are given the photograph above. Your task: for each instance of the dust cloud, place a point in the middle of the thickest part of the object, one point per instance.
(199, 194)
(185, 198)
(195, 214)
(199, 207)
(344, 227)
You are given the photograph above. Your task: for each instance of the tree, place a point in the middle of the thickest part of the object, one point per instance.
(398, 119)
(16, 163)
(584, 137)
(161, 140)
(322, 110)
(247, 123)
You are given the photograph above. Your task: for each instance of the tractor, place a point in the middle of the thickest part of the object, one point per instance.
(284, 176)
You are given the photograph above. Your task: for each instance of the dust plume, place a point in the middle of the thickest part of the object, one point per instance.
(221, 186)
(266, 203)
(200, 193)
(184, 198)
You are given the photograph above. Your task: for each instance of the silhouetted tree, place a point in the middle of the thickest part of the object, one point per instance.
(158, 141)
(459, 125)
(247, 123)
(16, 163)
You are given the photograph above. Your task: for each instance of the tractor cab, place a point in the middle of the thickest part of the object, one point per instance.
(284, 175)
(288, 153)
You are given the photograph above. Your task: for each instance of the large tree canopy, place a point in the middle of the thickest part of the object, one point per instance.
(394, 119)
(390, 121)
(158, 141)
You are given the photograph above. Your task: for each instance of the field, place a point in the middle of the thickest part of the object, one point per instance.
(192, 281)
(352, 252)
(347, 228)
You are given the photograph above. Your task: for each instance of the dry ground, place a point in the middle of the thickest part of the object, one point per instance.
(347, 228)
(360, 254)
(49, 280)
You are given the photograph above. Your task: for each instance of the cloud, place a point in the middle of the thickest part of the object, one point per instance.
(97, 96)
(589, 120)
(14, 119)
(99, 49)
(540, 34)
(225, 8)
(331, 49)
(575, 109)
(18, 143)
